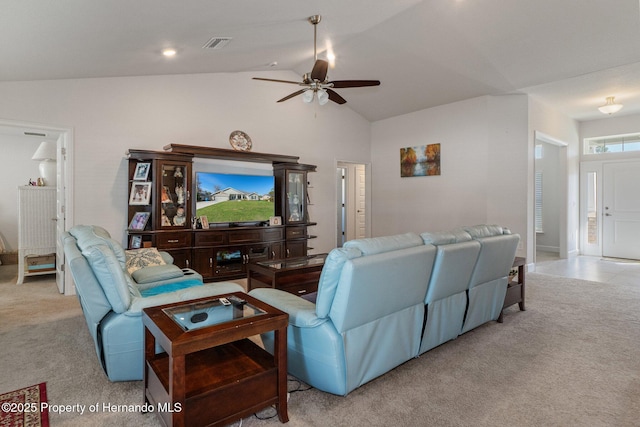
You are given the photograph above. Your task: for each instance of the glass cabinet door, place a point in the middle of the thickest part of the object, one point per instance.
(295, 211)
(173, 196)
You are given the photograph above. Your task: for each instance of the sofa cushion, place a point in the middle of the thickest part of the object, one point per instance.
(484, 230)
(156, 273)
(141, 258)
(330, 276)
(377, 245)
(446, 237)
(111, 276)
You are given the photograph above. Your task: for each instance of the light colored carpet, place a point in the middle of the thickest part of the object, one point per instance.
(571, 359)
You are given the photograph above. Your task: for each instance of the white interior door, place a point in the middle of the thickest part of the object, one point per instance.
(621, 210)
(351, 184)
(360, 214)
(60, 216)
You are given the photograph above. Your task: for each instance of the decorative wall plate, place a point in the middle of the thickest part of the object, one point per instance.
(240, 141)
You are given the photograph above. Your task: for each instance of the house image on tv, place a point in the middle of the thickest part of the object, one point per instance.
(230, 193)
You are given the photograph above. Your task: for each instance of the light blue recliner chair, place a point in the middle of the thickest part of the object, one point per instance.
(368, 314)
(446, 300)
(488, 285)
(112, 300)
(469, 280)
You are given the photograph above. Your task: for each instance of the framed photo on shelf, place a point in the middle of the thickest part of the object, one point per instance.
(139, 220)
(136, 241)
(140, 193)
(142, 171)
(204, 221)
(275, 220)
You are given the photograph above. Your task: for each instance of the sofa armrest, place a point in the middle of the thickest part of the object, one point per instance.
(302, 313)
(166, 256)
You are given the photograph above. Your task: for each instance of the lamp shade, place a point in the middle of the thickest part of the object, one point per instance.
(323, 97)
(307, 96)
(46, 151)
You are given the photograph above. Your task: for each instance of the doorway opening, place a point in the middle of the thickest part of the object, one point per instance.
(351, 209)
(64, 190)
(550, 198)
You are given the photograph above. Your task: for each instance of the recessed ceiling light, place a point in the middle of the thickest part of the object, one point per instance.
(169, 52)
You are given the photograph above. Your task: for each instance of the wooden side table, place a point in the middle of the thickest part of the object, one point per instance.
(298, 276)
(515, 289)
(210, 373)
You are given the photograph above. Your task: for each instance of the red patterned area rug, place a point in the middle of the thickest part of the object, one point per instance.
(22, 408)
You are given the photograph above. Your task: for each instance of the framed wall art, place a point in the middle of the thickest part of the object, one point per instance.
(420, 161)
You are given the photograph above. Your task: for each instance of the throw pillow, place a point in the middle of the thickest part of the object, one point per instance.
(141, 258)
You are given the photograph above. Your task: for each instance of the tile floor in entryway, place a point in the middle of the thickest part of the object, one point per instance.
(597, 269)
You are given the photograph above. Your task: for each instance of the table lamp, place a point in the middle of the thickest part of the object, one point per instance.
(46, 153)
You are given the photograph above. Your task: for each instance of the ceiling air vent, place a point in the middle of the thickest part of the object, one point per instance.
(216, 43)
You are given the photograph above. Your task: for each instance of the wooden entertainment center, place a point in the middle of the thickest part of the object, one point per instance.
(161, 212)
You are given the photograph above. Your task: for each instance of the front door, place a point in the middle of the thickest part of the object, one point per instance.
(621, 210)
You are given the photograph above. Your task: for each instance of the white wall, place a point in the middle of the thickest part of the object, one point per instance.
(17, 169)
(610, 125)
(483, 167)
(111, 115)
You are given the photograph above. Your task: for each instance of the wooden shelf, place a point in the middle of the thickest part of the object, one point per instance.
(224, 154)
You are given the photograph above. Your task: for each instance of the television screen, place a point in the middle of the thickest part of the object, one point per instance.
(228, 198)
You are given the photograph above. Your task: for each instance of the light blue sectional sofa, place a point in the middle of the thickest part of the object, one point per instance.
(382, 301)
(112, 299)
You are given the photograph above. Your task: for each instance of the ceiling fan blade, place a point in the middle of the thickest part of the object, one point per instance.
(339, 84)
(276, 80)
(296, 93)
(333, 95)
(320, 69)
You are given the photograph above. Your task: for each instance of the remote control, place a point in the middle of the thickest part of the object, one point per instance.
(225, 301)
(236, 300)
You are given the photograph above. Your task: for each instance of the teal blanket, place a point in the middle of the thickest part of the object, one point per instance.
(163, 289)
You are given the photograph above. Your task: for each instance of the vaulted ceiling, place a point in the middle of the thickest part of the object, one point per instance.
(570, 54)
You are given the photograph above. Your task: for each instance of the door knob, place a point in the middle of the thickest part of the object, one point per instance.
(607, 214)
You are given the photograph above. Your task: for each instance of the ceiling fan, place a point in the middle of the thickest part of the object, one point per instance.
(316, 83)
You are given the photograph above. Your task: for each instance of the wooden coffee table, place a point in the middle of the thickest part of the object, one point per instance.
(210, 373)
(298, 276)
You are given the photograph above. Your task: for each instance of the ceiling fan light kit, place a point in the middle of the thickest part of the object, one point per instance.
(316, 84)
(610, 107)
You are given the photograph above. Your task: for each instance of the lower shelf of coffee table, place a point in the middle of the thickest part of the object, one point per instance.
(214, 380)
